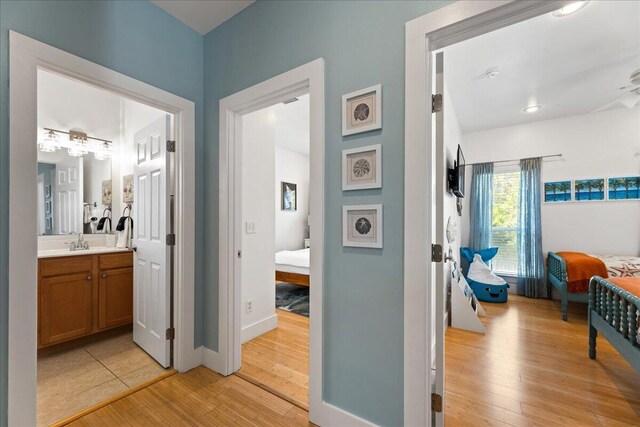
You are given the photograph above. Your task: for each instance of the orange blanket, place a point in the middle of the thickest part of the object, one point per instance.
(629, 284)
(580, 269)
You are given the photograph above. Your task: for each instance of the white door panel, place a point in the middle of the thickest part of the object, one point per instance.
(440, 276)
(68, 190)
(151, 267)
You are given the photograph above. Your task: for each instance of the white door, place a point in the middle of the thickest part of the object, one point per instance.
(67, 215)
(151, 286)
(440, 276)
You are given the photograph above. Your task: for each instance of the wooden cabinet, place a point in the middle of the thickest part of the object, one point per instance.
(84, 294)
(115, 300)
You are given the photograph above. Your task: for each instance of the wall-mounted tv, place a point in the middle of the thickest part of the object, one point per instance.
(456, 175)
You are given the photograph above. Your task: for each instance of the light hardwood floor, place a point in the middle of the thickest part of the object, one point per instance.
(199, 397)
(278, 361)
(81, 376)
(530, 369)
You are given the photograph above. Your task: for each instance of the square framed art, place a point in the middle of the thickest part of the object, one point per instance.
(557, 191)
(362, 226)
(589, 190)
(624, 188)
(362, 168)
(362, 110)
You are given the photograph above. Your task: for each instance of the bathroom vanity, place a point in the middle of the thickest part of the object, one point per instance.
(83, 292)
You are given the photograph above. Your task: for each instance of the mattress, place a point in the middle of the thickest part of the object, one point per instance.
(620, 266)
(293, 261)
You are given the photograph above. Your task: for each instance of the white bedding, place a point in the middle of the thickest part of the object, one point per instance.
(620, 266)
(293, 261)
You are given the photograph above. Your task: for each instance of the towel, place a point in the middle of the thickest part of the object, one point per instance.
(104, 225)
(580, 269)
(125, 235)
(86, 213)
(121, 223)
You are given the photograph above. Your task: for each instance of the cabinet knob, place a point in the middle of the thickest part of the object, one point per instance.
(89, 278)
(104, 275)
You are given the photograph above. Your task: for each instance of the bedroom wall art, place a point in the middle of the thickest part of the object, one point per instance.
(589, 189)
(557, 191)
(362, 110)
(362, 226)
(289, 197)
(624, 188)
(362, 168)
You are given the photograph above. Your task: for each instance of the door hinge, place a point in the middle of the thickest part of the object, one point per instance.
(436, 253)
(171, 239)
(170, 334)
(436, 402)
(171, 146)
(436, 103)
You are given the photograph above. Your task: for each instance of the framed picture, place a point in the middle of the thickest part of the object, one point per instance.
(106, 192)
(127, 189)
(362, 168)
(624, 188)
(557, 191)
(362, 110)
(589, 190)
(289, 196)
(48, 223)
(47, 206)
(362, 226)
(47, 191)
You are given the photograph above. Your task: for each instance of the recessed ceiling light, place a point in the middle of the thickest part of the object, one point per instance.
(569, 9)
(532, 108)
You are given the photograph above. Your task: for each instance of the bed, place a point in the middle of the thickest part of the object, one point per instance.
(576, 289)
(293, 267)
(614, 312)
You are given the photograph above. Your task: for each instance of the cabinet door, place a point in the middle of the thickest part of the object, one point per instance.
(65, 307)
(115, 304)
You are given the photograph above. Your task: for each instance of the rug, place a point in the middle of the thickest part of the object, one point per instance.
(293, 298)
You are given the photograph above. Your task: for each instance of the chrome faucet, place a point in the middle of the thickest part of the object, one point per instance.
(80, 245)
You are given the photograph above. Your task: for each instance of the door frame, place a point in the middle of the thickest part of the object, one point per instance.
(26, 56)
(443, 27)
(308, 78)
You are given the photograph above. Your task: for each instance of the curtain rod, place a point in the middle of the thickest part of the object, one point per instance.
(514, 160)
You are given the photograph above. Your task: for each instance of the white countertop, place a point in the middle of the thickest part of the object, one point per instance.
(52, 253)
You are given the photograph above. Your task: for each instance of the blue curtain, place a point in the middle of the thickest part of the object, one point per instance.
(530, 260)
(481, 206)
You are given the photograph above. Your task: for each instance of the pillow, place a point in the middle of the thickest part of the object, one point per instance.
(484, 283)
(486, 254)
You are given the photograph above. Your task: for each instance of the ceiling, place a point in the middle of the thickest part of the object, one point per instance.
(292, 125)
(570, 65)
(203, 15)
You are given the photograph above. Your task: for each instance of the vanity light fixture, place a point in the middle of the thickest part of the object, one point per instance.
(78, 145)
(532, 108)
(51, 142)
(569, 9)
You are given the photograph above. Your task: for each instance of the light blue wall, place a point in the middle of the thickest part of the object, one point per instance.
(362, 44)
(135, 38)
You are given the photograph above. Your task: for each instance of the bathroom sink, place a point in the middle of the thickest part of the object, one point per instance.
(51, 253)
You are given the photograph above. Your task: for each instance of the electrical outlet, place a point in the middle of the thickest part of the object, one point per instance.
(249, 306)
(251, 227)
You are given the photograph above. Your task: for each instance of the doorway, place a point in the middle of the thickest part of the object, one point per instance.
(27, 58)
(307, 79)
(275, 216)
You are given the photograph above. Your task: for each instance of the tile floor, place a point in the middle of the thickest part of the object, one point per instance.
(78, 378)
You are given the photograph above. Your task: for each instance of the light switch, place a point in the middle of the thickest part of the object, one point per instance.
(251, 227)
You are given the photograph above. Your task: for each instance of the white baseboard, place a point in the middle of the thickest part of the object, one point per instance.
(334, 416)
(212, 360)
(258, 328)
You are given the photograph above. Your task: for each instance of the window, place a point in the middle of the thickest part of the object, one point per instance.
(504, 230)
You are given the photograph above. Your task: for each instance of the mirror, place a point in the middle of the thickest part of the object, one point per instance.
(74, 193)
